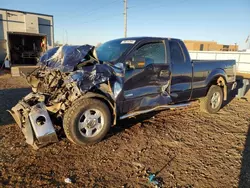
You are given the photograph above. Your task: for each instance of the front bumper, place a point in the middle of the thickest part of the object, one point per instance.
(34, 122)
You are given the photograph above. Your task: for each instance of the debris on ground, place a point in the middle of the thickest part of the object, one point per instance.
(153, 177)
(67, 180)
(156, 181)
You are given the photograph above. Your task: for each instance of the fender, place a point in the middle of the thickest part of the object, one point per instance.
(216, 73)
(218, 77)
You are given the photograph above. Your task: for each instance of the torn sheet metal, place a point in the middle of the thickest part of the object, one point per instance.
(65, 58)
(93, 76)
(75, 65)
(71, 69)
(47, 55)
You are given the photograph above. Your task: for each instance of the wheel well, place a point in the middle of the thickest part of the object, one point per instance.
(220, 81)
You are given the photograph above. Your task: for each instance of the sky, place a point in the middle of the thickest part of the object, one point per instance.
(94, 21)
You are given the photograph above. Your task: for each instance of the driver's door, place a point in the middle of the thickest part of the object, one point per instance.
(147, 77)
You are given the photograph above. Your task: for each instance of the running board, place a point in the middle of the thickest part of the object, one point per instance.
(153, 109)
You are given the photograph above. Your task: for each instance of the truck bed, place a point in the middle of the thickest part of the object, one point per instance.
(202, 69)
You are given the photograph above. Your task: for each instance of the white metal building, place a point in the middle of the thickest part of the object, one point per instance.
(24, 36)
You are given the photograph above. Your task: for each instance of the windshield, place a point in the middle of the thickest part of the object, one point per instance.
(113, 50)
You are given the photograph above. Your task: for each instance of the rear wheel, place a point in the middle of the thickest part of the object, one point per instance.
(213, 101)
(87, 121)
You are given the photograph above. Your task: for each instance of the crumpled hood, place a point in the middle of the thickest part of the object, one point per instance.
(65, 58)
(90, 76)
(63, 68)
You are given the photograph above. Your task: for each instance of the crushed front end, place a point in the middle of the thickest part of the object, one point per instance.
(52, 93)
(65, 74)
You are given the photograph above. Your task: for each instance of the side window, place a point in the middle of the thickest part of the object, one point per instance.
(151, 53)
(176, 52)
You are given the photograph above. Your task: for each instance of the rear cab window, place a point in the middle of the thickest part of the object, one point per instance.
(176, 53)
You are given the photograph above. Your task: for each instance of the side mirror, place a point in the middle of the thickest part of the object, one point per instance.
(139, 64)
(136, 64)
(129, 65)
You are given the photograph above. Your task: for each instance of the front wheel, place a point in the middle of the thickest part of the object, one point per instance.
(213, 101)
(87, 121)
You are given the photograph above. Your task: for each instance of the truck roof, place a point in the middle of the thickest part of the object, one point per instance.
(145, 38)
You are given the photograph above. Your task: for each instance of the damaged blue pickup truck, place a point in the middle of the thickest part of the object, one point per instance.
(90, 88)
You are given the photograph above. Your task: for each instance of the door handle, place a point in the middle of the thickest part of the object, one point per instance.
(164, 73)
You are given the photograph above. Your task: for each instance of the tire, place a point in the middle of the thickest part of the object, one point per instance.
(206, 104)
(79, 121)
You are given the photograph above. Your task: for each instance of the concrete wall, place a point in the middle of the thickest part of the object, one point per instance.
(242, 58)
(17, 21)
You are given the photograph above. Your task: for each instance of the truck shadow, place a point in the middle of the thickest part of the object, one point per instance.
(244, 178)
(9, 98)
(233, 94)
(128, 123)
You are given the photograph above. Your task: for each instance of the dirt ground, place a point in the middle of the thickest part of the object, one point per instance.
(195, 149)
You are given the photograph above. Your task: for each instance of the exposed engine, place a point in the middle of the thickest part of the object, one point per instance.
(64, 75)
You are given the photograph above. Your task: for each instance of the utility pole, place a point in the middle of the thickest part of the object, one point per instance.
(125, 18)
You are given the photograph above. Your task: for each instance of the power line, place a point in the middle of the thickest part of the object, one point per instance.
(101, 7)
(125, 12)
(134, 6)
(159, 5)
(100, 18)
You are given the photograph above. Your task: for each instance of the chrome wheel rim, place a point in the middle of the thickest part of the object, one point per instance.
(91, 123)
(215, 100)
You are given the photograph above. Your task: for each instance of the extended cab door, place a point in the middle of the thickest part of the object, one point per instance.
(181, 72)
(147, 77)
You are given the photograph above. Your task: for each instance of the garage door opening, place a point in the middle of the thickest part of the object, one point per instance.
(25, 49)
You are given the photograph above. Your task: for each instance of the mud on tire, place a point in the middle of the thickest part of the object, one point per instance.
(78, 120)
(213, 101)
